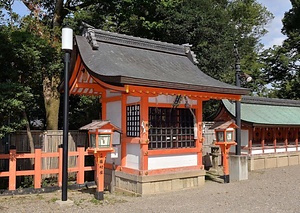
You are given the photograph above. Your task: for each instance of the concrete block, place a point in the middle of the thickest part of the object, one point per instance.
(271, 162)
(259, 163)
(282, 161)
(238, 167)
(146, 188)
(293, 160)
(165, 186)
(200, 180)
(159, 183)
(176, 184)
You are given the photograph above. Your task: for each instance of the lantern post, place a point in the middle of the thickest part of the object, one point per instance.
(67, 46)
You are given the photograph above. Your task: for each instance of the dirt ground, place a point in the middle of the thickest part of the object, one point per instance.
(272, 190)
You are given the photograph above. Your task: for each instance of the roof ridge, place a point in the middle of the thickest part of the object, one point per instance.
(138, 42)
(94, 35)
(270, 101)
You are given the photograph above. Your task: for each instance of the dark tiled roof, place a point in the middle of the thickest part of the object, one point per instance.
(223, 125)
(121, 59)
(97, 124)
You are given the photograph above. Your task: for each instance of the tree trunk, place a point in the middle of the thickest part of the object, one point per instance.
(29, 136)
(52, 101)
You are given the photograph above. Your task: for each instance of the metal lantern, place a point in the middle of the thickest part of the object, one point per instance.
(100, 143)
(224, 138)
(98, 140)
(100, 135)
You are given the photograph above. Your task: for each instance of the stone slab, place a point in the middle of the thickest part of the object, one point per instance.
(238, 167)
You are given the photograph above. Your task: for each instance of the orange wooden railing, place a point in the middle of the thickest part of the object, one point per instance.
(37, 172)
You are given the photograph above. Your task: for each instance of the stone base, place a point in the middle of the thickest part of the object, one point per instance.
(226, 179)
(144, 185)
(238, 167)
(99, 195)
(65, 203)
(267, 161)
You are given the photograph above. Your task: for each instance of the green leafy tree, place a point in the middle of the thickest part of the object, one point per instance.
(22, 57)
(281, 63)
(212, 27)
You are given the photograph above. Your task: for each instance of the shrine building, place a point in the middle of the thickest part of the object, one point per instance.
(270, 130)
(153, 91)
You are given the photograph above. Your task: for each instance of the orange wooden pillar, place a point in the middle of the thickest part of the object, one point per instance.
(286, 143)
(123, 121)
(251, 136)
(274, 139)
(263, 136)
(225, 147)
(199, 141)
(12, 169)
(144, 135)
(297, 138)
(60, 165)
(80, 165)
(38, 168)
(99, 163)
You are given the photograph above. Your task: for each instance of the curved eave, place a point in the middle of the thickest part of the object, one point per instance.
(122, 66)
(266, 115)
(124, 80)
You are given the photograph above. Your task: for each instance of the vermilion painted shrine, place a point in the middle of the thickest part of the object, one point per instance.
(154, 92)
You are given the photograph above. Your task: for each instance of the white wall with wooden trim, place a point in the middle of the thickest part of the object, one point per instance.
(133, 100)
(171, 161)
(133, 156)
(169, 99)
(112, 94)
(113, 113)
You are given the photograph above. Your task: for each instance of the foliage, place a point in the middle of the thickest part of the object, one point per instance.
(25, 58)
(13, 99)
(281, 63)
(83, 109)
(212, 27)
(27, 182)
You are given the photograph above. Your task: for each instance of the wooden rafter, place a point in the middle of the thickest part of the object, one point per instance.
(152, 92)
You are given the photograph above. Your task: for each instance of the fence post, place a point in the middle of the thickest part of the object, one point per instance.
(80, 165)
(60, 165)
(12, 169)
(37, 167)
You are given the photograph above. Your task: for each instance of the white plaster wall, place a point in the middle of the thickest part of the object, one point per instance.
(291, 149)
(113, 113)
(133, 156)
(172, 161)
(112, 94)
(280, 150)
(244, 140)
(117, 161)
(269, 150)
(169, 99)
(133, 99)
(257, 151)
(114, 116)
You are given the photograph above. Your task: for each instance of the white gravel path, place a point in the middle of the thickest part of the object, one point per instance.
(272, 190)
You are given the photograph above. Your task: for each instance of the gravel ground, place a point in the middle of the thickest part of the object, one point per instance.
(272, 190)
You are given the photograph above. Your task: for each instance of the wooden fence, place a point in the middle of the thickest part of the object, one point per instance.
(48, 141)
(38, 172)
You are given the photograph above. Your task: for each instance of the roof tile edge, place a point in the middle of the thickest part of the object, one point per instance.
(89, 33)
(270, 101)
(94, 36)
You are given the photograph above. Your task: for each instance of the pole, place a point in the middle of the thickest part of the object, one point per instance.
(238, 103)
(66, 128)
